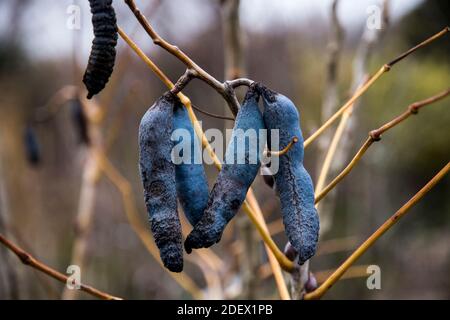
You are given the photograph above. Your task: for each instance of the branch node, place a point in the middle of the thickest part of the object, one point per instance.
(375, 135)
(387, 67)
(414, 108)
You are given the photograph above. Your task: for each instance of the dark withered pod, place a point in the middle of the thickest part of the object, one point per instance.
(191, 181)
(158, 178)
(235, 178)
(32, 147)
(103, 52)
(267, 176)
(293, 183)
(79, 121)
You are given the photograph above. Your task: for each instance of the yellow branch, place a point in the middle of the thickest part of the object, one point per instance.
(347, 105)
(385, 68)
(29, 260)
(319, 292)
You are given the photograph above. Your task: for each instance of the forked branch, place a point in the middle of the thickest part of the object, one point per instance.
(375, 135)
(385, 68)
(224, 89)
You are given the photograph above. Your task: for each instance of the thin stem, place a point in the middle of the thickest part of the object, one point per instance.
(270, 153)
(347, 105)
(29, 260)
(375, 135)
(385, 68)
(319, 292)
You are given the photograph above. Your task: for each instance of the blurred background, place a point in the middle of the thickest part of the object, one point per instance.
(293, 47)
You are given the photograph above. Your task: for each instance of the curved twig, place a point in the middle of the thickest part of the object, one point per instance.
(270, 153)
(375, 135)
(29, 260)
(385, 68)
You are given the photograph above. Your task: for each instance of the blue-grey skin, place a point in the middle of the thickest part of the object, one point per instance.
(191, 182)
(158, 178)
(294, 185)
(232, 184)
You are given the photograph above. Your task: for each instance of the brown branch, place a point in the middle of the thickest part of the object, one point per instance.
(417, 47)
(232, 38)
(375, 135)
(29, 260)
(412, 109)
(211, 114)
(319, 292)
(91, 176)
(223, 89)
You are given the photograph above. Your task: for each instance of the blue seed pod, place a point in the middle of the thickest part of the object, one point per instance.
(234, 179)
(158, 178)
(294, 185)
(191, 182)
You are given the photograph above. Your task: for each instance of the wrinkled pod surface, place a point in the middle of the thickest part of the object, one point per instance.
(158, 178)
(191, 181)
(241, 165)
(293, 183)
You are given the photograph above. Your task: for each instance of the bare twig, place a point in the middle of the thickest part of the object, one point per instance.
(385, 68)
(375, 135)
(29, 260)
(252, 209)
(222, 88)
(211, 114)
(270, 153)
(319, 292)
(249, 258)
(8, 275)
